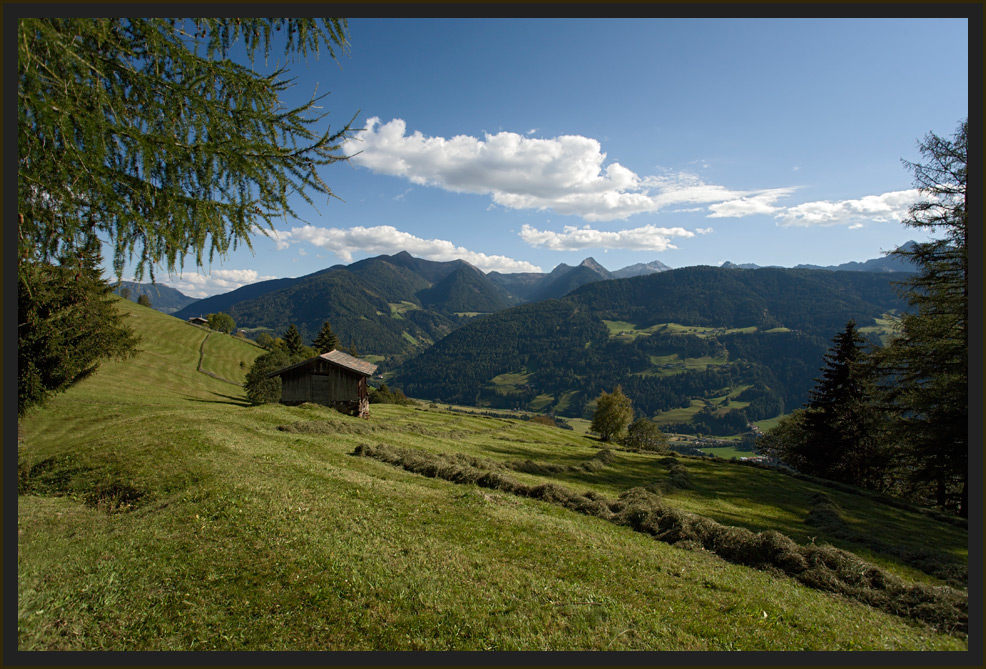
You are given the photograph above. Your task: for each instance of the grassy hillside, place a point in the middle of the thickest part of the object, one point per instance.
(158, 510)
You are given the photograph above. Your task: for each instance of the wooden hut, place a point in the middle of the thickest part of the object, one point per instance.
(198, 320)
(333, 379)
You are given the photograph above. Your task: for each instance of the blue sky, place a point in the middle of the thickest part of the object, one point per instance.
(519, 144)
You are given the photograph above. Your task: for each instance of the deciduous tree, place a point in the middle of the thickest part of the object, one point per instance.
(261, 389)
(645, 435)
(221, 322)
(613, 414)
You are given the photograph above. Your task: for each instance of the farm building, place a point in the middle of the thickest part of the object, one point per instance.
(334, 379)
(198, 320)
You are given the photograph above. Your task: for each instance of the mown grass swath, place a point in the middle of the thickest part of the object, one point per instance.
(159, 510)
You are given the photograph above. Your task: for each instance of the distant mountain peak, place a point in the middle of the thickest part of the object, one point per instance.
(731, 265)
(640, 269)
(595, 267)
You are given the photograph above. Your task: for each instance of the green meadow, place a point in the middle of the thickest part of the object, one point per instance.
(159, 510)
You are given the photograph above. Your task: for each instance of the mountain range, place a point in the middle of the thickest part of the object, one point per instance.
(887, 263)
(396, 306)
(163, 298)
(697, 338)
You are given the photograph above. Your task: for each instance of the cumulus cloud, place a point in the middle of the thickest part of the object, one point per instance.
(386, 239)
(565, 174)
(885, 208)
(645, 238)
(569, 175)
(216, 282)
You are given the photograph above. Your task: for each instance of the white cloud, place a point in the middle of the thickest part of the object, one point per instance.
(761, 203)
(216, 282)
(886, 208)
(569, 175)
(386, 239)
(645, 238)
(704, 231)
(565, 174)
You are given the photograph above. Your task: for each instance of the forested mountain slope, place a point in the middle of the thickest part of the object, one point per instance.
(165, 299)
(756, 337)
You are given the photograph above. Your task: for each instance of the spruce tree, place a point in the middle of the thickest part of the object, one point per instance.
(326, 340)
(840, 419)
(61, 309)
(925, 367)
(292, 341)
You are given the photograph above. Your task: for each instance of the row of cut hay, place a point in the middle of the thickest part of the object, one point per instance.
(822, 567)
(680, 478)
(593, 464)
(329, 427)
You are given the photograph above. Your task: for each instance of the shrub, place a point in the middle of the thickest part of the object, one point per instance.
(645, 435)
(384, 395)
(543, 420)
(261, 389)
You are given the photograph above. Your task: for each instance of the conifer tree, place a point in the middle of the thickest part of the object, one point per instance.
(292, 341)
(925, 367)
(840, 420)
(60, 308)
(326, 340)
(144, 132)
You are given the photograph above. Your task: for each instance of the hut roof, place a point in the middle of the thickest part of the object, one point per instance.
(339, 358)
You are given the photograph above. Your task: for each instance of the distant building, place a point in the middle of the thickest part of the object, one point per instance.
(198, 320)
(333, 379)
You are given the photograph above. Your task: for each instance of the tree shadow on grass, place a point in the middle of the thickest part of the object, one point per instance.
(227, 399)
